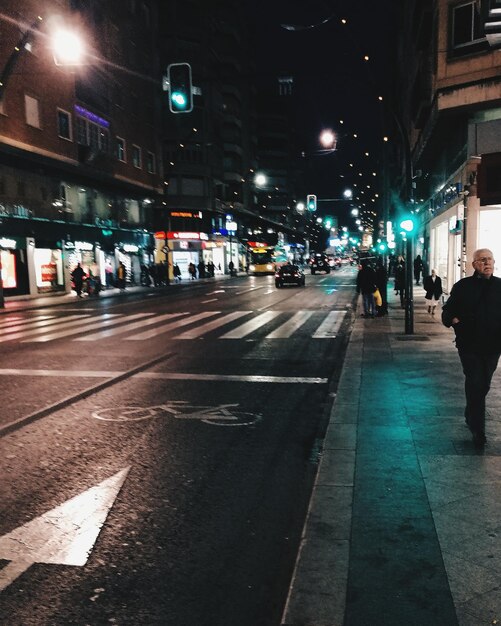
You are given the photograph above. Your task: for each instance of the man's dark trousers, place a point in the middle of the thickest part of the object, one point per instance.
(478, 371)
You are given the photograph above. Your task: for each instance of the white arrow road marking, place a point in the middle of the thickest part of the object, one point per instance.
(65, 535)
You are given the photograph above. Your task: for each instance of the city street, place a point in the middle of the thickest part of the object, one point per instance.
(158, 450)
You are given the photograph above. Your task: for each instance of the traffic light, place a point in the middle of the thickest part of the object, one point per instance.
(311, 202)
(180, 88)
(407, 224)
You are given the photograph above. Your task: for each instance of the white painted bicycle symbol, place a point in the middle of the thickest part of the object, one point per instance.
(222, 415)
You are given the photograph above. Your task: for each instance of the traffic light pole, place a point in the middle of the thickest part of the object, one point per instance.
(409, 295)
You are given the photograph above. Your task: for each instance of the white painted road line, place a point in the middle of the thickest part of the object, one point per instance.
(15, 323)
(89, 324)
(64, 322)
(289, 327)
(330, 326)
(310, 380)
(111, 332)
(194, 333)
(166, 327)
(63, 536)
(251, 326)
(233, 378)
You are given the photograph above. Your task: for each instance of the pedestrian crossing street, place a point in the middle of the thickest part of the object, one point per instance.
(87, 327)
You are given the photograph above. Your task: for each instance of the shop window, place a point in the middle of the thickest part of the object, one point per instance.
(120, 146)
(64, 124)
(136, 156)
(32, 110)
(466, 27)
(150, 163)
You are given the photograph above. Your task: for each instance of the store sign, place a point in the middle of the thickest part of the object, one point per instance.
(7, 243)
(187, 235)
(84, 246)
(130, 247)
(231, 227)
(160, 234)
(191, 214)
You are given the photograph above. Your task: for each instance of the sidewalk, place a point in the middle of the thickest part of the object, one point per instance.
(404, 526)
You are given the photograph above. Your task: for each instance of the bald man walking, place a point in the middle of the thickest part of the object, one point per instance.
(474, 312)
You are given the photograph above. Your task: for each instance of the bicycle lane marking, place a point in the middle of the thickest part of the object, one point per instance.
(220, 415)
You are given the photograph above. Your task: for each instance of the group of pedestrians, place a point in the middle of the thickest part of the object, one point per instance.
(372, 284)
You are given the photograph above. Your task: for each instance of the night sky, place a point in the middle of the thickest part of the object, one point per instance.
(333, 82)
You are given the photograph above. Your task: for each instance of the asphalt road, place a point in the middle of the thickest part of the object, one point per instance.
(157, 453)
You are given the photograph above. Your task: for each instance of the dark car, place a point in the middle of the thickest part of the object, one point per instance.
(320, 263)
(289, 275)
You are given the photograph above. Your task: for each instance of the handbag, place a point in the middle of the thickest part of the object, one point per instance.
(377, 298)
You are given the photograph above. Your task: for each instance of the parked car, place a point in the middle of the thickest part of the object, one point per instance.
(320, 263)
(289, 275)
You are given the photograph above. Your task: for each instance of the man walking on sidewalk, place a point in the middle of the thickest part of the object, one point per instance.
(474, 312)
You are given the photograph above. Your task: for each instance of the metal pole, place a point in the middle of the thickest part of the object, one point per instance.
(409, 302)
(2, 300)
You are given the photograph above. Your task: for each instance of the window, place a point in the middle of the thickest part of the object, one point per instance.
(120, 149)
(150, 163)
(136, 156)
(63, 124)
(32, 108)
(466, 25)
(93, 135)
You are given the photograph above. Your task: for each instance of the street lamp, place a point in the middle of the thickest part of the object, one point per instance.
(67, 47)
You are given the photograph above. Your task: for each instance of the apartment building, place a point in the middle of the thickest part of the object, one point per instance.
(80, 159)
(450, 95)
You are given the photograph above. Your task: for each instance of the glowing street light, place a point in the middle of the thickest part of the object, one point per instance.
(260, 180)
(328, 139)
(67, 47)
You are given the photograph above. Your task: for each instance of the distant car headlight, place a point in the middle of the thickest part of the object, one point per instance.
(252, 268)
(269, 267)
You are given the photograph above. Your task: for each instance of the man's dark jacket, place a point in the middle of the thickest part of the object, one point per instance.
(476, 302)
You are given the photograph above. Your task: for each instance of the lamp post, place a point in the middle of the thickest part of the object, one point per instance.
(407, 225)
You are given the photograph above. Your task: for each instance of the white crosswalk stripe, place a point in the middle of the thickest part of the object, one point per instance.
(194, 333)
(112, 332)
(41, 326)
(290, 327)
(89, 328)
(82, 326)
(330, 326)
(251, 326)
(166, 327)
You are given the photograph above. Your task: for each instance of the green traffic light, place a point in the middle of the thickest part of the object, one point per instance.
(179, 99)
(407, 225)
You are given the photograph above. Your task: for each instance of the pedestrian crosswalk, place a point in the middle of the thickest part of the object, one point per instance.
(247, 325)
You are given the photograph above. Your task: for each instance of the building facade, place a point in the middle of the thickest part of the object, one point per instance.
(451, 108)
(80, 159)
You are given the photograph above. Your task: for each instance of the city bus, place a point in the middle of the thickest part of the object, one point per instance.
(261, 259)
(265, 259)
